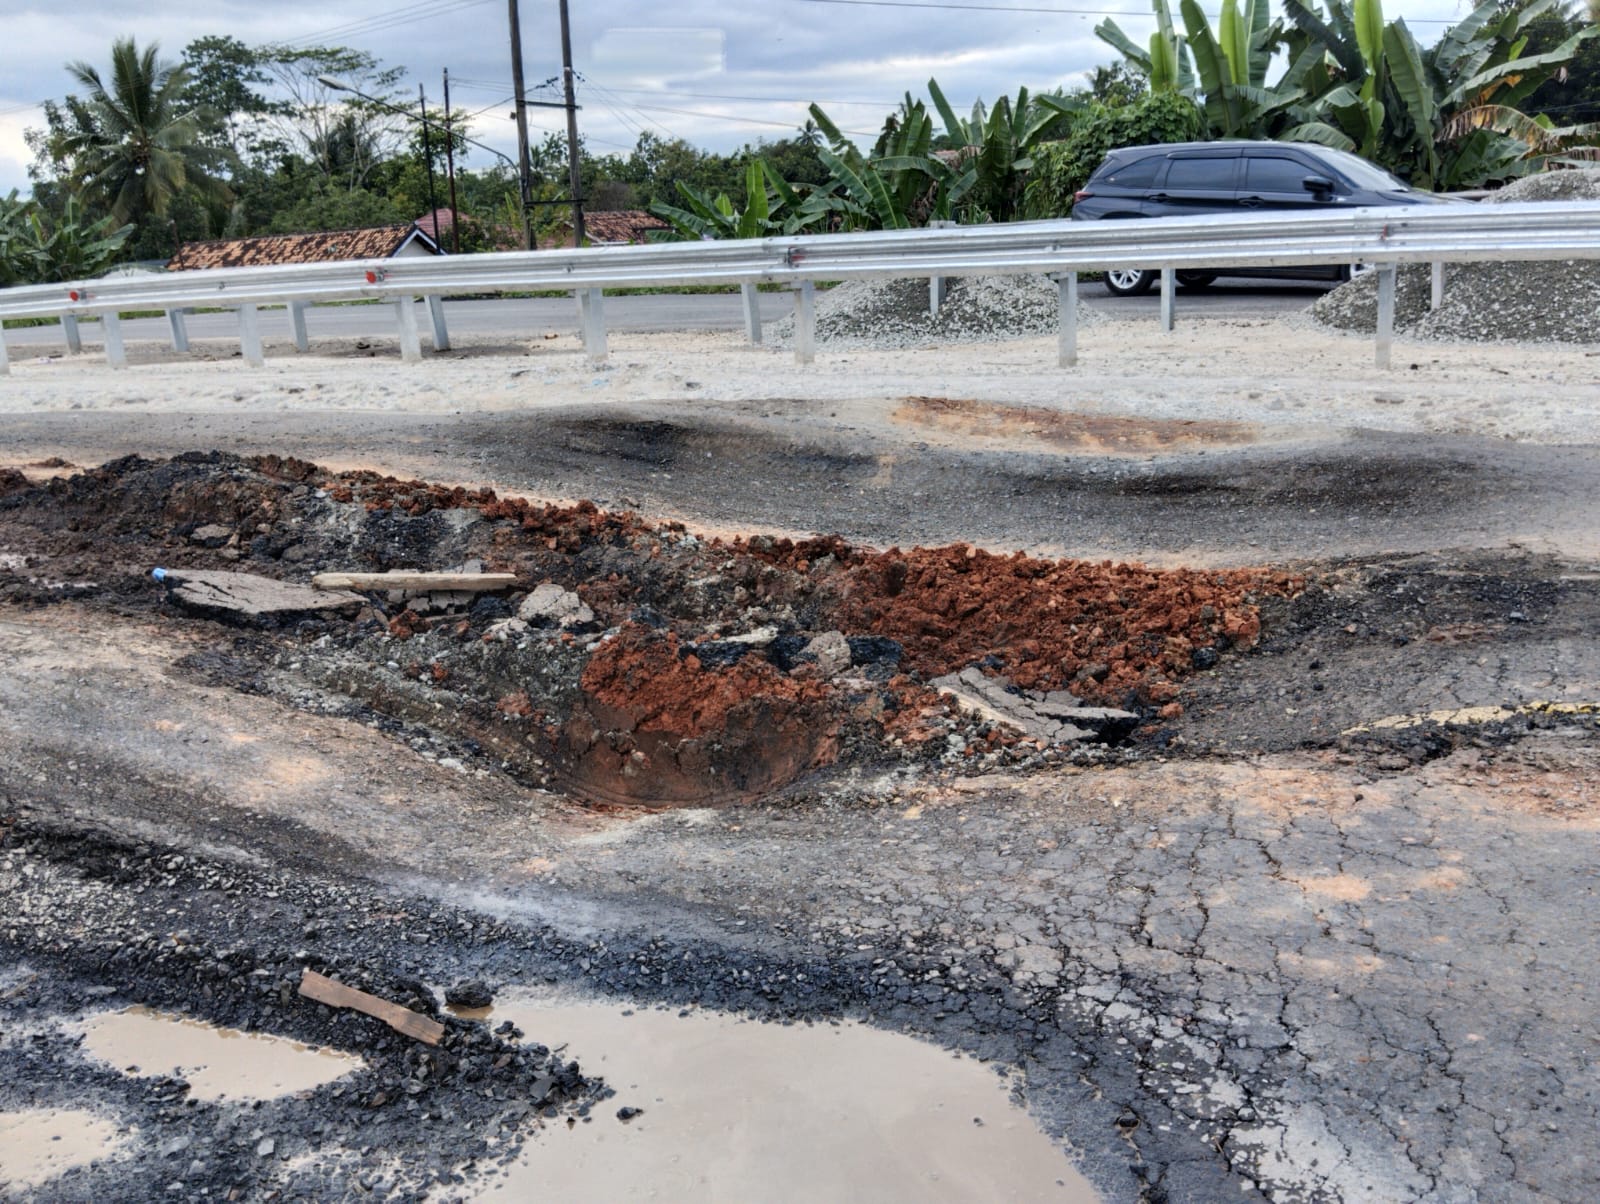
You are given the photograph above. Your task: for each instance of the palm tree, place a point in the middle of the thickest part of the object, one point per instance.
(131, 144)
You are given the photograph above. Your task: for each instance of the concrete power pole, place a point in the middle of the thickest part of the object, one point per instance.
(574, 178)
(524, 166)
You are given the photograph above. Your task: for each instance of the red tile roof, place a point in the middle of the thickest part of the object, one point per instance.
(611, 226)
(379, 242)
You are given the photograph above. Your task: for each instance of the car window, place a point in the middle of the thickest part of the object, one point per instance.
(1274, 174)
(1141, 173)
(1200, 175)
(1360, 172)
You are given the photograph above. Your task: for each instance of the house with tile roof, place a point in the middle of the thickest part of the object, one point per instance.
(329, 246)
(609, 228)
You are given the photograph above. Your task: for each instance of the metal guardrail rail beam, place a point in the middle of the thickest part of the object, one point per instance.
(1380, 237)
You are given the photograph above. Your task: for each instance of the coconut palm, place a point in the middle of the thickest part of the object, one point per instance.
(130, 140)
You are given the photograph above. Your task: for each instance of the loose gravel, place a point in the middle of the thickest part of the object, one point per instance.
(894, 313)
(1545, 302)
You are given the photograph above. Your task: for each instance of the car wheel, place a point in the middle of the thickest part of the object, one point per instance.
(1129, 282)
(1196, 279)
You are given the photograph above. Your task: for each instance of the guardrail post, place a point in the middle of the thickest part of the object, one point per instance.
(752, 312)
(69, 331)
(805, 323)
(1386, 284)
(410, 341)
(441, 333)
(297, 325)
(179, 328)
(5, 359)
(250, 336)
(592, 313)
(1168, 288)
(1067, 305)
(111, 328)
(938, 286)
(1436, 291)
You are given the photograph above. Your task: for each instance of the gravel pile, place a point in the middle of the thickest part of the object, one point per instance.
(1548, 302)
(894, 313)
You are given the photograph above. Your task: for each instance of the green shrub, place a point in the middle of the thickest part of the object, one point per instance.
(1061, 168)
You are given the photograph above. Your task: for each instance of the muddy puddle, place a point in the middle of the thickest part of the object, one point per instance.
(37, 1144)
(736, 1110)
(217, 1063)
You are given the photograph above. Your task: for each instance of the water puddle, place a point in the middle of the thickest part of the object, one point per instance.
(738, 1111)
(37, 1144)
(217, 1063)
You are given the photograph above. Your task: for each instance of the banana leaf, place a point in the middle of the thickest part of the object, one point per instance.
(1319, 132)
(1410, 79)
(1369, 36)
(1344, 52)
(1234, 43)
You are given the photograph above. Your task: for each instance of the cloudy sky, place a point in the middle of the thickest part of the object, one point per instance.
(717, 73)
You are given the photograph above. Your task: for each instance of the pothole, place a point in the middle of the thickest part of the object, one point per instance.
(730, 1109)
(635, 662)
(39, 1144)
(217, 1063)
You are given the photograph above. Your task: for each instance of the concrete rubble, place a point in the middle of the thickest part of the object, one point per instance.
(1053, 716)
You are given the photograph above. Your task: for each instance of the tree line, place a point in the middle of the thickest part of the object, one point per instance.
(234, 140)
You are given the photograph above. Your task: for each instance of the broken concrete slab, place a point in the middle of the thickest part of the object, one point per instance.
(420, 582)
(250, 595)
(1056, 717)
(550, 605)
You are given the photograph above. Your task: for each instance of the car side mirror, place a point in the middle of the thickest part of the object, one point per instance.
(1317, 184)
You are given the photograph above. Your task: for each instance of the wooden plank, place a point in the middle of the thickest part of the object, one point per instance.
(400, 579)
(248, 594)
(402, 1020)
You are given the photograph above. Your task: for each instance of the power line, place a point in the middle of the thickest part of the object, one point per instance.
(782, 125)
(424, 10)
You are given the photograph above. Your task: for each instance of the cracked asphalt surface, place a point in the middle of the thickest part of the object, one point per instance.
(1269, 957)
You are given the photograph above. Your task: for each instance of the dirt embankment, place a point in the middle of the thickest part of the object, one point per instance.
(675, 669)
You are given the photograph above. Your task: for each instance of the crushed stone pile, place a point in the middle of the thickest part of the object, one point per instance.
(634, 661)
(1556, 301)
(894, 313)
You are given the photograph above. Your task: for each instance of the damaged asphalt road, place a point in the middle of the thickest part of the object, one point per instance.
(1249, 953)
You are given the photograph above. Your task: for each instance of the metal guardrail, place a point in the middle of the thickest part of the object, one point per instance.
(1378, 237)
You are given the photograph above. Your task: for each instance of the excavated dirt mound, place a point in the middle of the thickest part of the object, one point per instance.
(1549, 301)
(676, 670)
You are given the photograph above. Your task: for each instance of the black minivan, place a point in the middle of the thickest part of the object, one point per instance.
(1191, 178)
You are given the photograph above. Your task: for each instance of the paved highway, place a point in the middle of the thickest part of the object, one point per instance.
(510, 317)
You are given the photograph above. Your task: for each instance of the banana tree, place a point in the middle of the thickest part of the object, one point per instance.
(904, 183)
(1222, 69)
(1443, 117)
(783, 212)
(998, 144)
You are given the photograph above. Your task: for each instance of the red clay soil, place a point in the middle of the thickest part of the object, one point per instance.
(653, 726)
(1063, 429)
(1102, 629)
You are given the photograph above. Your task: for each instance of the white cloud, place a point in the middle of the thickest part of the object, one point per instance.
(679, 57)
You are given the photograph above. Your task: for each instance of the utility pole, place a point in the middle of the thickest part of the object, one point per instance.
(450, 168)
(524, 166)
(427, 155)
(574, 179)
